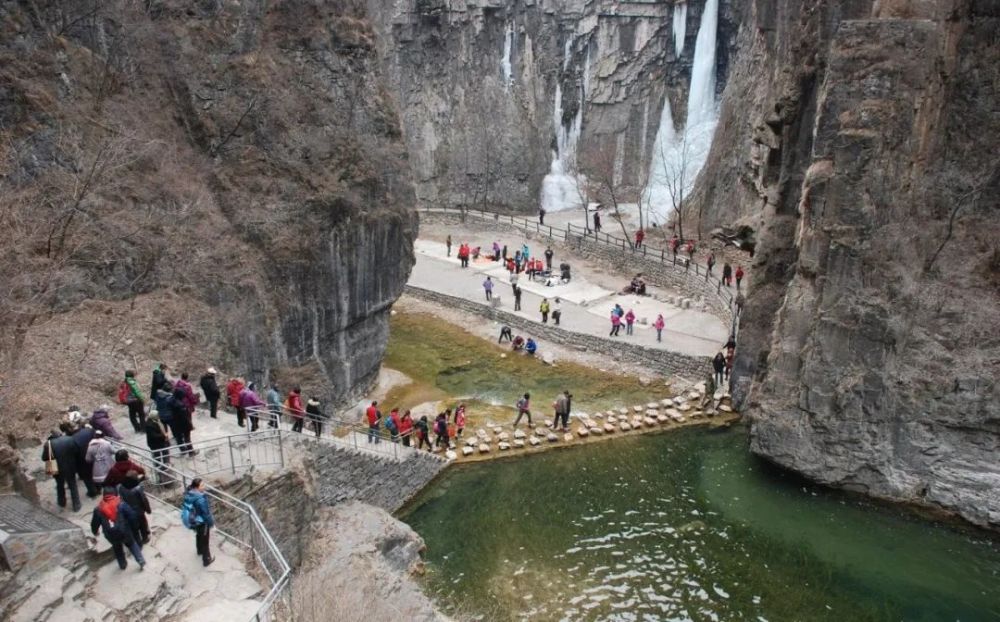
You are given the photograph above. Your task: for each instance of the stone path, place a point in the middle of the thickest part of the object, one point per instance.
(586, 305)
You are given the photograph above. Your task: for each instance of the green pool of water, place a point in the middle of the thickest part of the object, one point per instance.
(688, 526)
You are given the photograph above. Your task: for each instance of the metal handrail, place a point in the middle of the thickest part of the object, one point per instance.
(662, 255)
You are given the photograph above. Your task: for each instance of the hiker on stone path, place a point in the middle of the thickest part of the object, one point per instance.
(447, 244)
(496, 251)
(561, 406)
(233, 389)
(718, 366)
(441, 431)
(548, 258)
(739, 276)
(541, 215)
(119, 523)
(505, 332)
(373, 416)
(210, 389)
(616, 324)
(463, 254)
(658, 325)
(130, 395)
(392, 425)
(740, 301)
(640, 235)
(459, 420)
(423, 434)
(100, 419)
(523, 409)
(101, 456)
(157, 439)
(517, 298)
(556, 312)
(517, 261)
(406, 428)
(180, 423)
(159, 378)
(251, 403)
(198, 515)
(273, 397)
(597, 221)
(513, 281)
(82, 436)
(711, 264)
(162, 399)
(293, 404)
(316, 416)
(543, 308)
(629, 321)
(675, 243)
(618, 310)
(190, 397)
(727, 274)
(61, 456)
(488, 288)
(123, 464)
(530, 347)
(131, 491)
(690, 250)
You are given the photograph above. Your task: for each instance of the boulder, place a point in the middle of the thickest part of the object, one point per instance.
(726, 408)
(484, 448)
(649, 421)
(450, 455)
(481, 433)
(551, 437)
(693, 395)
(625, 427)
(662, 418)
(637, 408)
(623, 411)
(609, 428)
(534, 440)
(519, 434)
(504, 446)
(503, 436)
(700, 388)
(652, 406)
(597, 431)
(518, 443)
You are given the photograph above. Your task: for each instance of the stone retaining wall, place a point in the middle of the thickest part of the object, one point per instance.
(656, 272)
(660, 361)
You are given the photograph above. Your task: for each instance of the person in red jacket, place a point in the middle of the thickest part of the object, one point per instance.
(123, 464)
(233, 389)
(295, 409)
(406, 428)
(739, 276)
(640, 235)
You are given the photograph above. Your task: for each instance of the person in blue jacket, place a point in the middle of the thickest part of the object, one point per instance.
(530, 347)
(199, 518)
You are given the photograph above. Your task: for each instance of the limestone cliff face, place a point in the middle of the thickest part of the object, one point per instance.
(232, 172)
(480, 130)
(861, 138)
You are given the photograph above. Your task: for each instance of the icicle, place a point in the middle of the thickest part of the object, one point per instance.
(680, 27)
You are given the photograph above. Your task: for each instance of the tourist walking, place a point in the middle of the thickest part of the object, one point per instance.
(441, 431)
(719, 366)
(517, 298)
(640, 235)
(447, 245)
(496, 251)
(392, 425)
(658, 325)
(711, 264)
(618, 310)
(406, 428)
(273, 399)
(524, 253)
(180, 423)
(295, 408)
(629, 321)
(100, 455)
(740, 301)
(556, 312)
(523, 409)
(561, 406)
(316, 416)
(197, 514)
(488, 288)
(60, 455)
(82, 437)
(459, 420)
(157, 440)
(548, 258)
(597, 221)
(210, 389)
(100, 419)
(513, 281)
(505, 333)
(690, 250)
(159, 378)
(616, 324)
(133, 399)
(123, 464)
(423, 434)
(543, 308)
(234, 388)
(120, 523)
(727, 274)
(739, 277)
(541, 215)
(374, 417)
(251, 404)
(131, 491)
(190, 397)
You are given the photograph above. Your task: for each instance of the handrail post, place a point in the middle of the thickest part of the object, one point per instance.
(232, 460)
(281, 449)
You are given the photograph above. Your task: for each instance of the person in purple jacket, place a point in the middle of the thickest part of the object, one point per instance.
(101, 420)
(251, 402)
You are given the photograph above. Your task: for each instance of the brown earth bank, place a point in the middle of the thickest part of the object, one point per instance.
(207, 183)
(860, 138)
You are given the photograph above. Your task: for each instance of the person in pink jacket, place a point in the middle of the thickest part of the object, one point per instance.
(658, 325)
(629, 321)
(616, 324)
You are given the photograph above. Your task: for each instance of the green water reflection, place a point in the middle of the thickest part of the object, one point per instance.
(688, 526)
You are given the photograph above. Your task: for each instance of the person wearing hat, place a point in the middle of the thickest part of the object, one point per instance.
(210, 388)
(101, 456)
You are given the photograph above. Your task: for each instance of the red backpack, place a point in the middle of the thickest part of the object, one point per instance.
(123, 392)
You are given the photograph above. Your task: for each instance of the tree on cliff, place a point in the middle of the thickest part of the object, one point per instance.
(603, 185)
(673, 174)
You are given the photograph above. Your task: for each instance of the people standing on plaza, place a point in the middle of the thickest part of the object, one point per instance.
(119, 523)
(134, 400)
(295, 408)
(640, 235)
(597, 221)
(374, 417)
(548, 258)
(392, 425)
(441, 431)
(543, 308)
(616, 324)
(524, 252)
(556, 312)
(61, 457)
(719, 366)
(447, 244)
(541, 215)
(315, 415)
(210, 389)
(251, 404)
(739, 277)
(496, 251)
(406, 428)
(629, 321)
(727, 274)
(273, 398)
(523, 409)
(711, 264)
(463, 254)
(513, 281)
(517, 298)
(505, 333)
(658, 325)
(197, 514)
(488, 288)
(619, 311)
(101, 456)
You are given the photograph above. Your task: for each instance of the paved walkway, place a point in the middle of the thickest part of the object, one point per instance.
(585, 302)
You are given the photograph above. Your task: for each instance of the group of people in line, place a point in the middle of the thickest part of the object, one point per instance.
(445, 428)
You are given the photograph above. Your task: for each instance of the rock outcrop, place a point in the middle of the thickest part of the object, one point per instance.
(204, 183)
(862, 137)
(476, 84)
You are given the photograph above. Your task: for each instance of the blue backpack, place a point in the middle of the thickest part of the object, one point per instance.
(390, 424)
(188, 514)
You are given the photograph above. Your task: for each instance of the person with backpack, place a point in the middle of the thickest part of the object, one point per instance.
(392, 425)
(295, 409)
(441, 431)
(658, 325)
(190, 397)
(100, 455)
(120, 523)
(406, 428)
(210, 389)
(100, 419)
(130, 395)
(159, 378)
(250, 404)
(233, 390)
(629, 322)
(131, 491)
(373, 416)
(543, 308)
(423, 434)
(180, 422)
(157, 440)
(197, 514)
(739, 277)
(273, 398)
(523, 409)
(60, 455)
(162, 401)
(315, 415)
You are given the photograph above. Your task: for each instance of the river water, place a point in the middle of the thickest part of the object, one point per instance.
(687, 525)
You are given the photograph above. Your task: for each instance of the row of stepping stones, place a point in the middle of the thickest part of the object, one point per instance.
(676, 409)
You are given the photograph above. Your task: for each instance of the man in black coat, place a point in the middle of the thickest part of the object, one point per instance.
(159, 379)
(210, 388)
(82, 438)
(180, 422)
(66, 455)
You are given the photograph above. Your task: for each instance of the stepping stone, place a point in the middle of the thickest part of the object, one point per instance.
(652, 406)
(520, 434)
(667, 402)
(726, 408)
(673, 413)
(662, 418)
(693, 395)
(700, 388)
(467, 451)
(649, 421)
(718, 395)
(636, 422)
(652, 412)
(518, 443)
(497, 429)
(710, 412)
(611, 413)
(597, 431)
(504, 446)
(551, 437)
(504, 436)
(592, 425)
(583, 416)
(484, 448)
(623, 411)
(684, 407)
(679, 400)
(481, 433)
(637, 409)
(609, 428)
(612, 419)
(541, 432)
(568, 437)
(679, 419)
(625, 427)
(470, 442)
(450, 455)
(697, 413)
(534, 440)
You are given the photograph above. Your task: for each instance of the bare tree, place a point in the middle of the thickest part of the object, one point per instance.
(602, 181)
(674, 172)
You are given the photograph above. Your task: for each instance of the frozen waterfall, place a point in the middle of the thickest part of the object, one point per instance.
(680, 27)
(560, 189)
(505, 66)
(678, 156)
